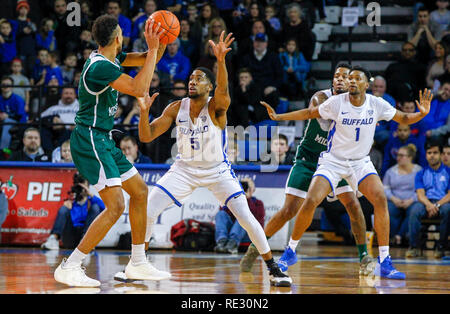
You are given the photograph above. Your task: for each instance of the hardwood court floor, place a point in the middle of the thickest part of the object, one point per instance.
(321, 269)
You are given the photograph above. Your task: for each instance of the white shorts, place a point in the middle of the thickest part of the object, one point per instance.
(181, 180)
(334, 169)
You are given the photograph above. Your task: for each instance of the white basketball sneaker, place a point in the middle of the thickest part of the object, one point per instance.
(52, 243)
(74, 276)
(145, 271)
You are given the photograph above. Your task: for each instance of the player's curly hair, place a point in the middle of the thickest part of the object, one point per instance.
(103, 29)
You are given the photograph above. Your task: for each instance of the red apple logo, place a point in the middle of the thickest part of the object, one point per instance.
(9, 189)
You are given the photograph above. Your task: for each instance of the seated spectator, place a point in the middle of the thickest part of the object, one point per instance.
(378, 89)
(3, 210)
(20, 79)
(446, 155)
(437, 120)
(173, 6)
(179, 91)
(113, 8)
(62, 154)
(424, 34)
(436, 67)
(233, 152)
(215, 28)
(63, 30)
(418, 129)
(403, 138)
(255, 13)
(54, 70)
(131, 120)
(399, 189)
(245, 108)
(64, 112)
(271, 17)
(40, 68)
(229, 233)
(32, 150)
(432, 186)
(194, 21)
(443, 77)
(130, 149)
(12, 110)
(175, 63)
(8, 50)
(295, 70)
(405, 77)
(441, 16)
(75, 216)
(279, 151)
(189, 44)
(150, 6)
(296, 27)
(45, 38)
(87, 42)
(266, 71)
(246, 44)
(26, 40)
(68, 69)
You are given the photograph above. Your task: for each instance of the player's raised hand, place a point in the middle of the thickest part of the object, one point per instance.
(272, 114)
(223, 46)
(152, 35)
(424, 102)
(146, 102)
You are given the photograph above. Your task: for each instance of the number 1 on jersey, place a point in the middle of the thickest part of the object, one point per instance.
(357, 134)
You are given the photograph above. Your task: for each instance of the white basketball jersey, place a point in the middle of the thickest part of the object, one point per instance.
(201, 144)
(353, 128)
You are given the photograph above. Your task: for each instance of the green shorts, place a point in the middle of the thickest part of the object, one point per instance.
(98, 159)
(300, 178)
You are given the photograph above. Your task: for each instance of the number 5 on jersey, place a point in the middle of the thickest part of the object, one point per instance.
(195, 144)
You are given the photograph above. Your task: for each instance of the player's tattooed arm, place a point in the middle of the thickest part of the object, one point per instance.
(423, 105)
(317, 99)
(150, 131)
(305, 114)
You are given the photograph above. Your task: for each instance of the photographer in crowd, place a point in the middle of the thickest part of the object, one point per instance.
(75, 216)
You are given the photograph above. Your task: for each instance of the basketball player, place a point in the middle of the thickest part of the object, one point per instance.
(94, 152)
(354, 117)
(312, 144)
(202, 159)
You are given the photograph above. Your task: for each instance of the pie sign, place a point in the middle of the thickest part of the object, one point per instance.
(9, 189)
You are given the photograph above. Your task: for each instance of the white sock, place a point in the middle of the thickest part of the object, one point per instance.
(293, 244)
(138, 254)
(384, 252)
(75, 258)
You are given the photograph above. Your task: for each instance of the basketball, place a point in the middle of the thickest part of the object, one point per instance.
(169, 22)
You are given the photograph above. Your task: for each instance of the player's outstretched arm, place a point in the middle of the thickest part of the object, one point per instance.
(305, 114)
(137, 59)
(140, 85)
(423, 105)
(221, 100)
(149, 131)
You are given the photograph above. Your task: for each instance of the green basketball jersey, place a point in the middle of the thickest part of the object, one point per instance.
(314, 139)
(98, 100)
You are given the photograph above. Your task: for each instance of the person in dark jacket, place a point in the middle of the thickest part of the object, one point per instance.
(32, 150)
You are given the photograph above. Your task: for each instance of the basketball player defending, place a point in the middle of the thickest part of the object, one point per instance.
(94, 152)
(202, 159)
(354, 117)
(314, 142)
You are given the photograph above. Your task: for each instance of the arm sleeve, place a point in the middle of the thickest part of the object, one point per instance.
(329, 110)
(101, 74)
(385, 110)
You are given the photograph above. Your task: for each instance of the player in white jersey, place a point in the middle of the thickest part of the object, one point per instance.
(354, 115)
(202, 160)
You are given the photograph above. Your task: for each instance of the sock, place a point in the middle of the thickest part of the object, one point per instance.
(138, 254)
(75, 258)
(362, 250)
(293, 244)
(384, 252)
(270, 263)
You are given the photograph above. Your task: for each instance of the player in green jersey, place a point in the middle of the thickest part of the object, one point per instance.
(313, 142)
(95, 154)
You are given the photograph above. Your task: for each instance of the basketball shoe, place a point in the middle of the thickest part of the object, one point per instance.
(143, 271)
(277, 278)
(387, 270)
(52, 243)
(288, 258)
(74, 275)
(366, 266)
(249, 258)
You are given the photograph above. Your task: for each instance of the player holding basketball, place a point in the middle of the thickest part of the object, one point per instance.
(354, 117)
(202, 159)
(312, 144)
(94, 152)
